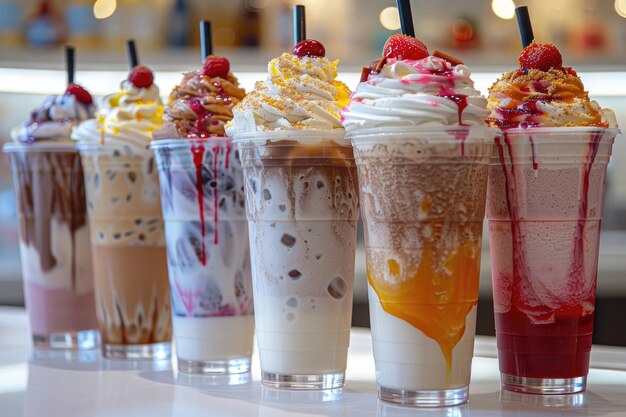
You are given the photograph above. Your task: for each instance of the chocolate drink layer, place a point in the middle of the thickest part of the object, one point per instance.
(51, 186)
(331, 160)
(132, 291)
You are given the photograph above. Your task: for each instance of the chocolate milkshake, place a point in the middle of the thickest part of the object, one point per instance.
(302, 200)
(130, 268)
(54, 237)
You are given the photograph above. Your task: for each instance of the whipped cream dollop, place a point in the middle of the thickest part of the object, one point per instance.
(125, 118)
(299, 93)
(429, 91)
(537, 98)
(200, 106)
(53, 120)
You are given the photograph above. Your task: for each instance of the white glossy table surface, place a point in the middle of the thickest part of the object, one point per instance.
(54, 385)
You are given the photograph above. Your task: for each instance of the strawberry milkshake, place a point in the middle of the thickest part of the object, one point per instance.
(422, 150)
(205, 223)
(53, 230)
(544, 205)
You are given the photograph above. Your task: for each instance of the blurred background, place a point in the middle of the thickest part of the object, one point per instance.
(590, 33)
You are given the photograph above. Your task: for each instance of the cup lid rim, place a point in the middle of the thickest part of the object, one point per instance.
(10, 147)
(182, 142)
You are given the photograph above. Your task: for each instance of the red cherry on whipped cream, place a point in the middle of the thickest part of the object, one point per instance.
(216, 66)
(541, 56)
(80, 93)
(309, 47)
(141, 77)
(404, 47)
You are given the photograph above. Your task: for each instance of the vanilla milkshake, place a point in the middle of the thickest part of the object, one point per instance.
(53, 230)
(205, 223)
(301, 193)
(422, 150)
(130, 268)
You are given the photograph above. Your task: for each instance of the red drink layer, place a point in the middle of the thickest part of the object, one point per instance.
(545, 200)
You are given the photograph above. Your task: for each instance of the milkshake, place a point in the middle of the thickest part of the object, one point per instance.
(544, 204)
(205, 223)
(127, 239)
(422, 150)
(54, 236)
(302, 200)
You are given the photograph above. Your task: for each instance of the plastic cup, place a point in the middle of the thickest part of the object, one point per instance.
(54, 245)
(302, 202)
(128, 246)
(544, 205)
(423, 203)
(206, 233)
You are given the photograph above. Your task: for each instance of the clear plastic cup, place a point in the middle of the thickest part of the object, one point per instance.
(544, 205)
(423, 203)
(128, 247)
(54, 245)
(206, 233)
(302, 201)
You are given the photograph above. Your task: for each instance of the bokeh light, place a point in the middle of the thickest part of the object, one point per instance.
(504, 9)
(389, 18)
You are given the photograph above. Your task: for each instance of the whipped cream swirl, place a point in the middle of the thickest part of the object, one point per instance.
(536, 98)
(299, 93)
(200, 106)
(125, 118)
(430, 91)
(53, 120)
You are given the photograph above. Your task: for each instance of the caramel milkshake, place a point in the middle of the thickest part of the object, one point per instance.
(301, 193)
(205, 223)
(130, 268)
(54, 237)
(422, 150)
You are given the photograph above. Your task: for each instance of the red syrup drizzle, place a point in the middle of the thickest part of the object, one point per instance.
(198, 155)
(578, 267)
(534, 152)
(459, 99)
(200, 127)
(520, 265)
(216, 152)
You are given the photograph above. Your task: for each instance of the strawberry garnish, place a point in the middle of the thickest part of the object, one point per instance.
(309, 47)
(141, 77)
(404, 47)
(541, 56)
(80, 93)
(216, 66)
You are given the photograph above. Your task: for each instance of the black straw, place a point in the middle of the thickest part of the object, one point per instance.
(525, 28)
(299, 24)
(406, 18)
(206, 42)
(69, 62)
(133, 59)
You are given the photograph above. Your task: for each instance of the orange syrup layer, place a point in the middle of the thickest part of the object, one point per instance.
(434, 302)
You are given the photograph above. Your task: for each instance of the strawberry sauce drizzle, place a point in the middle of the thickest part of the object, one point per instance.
(198, 156)
(521, 274)
(534, 152)
(578, 268)
(201, 130)
(216, 152)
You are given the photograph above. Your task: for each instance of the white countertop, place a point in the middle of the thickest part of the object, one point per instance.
(52, 384)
